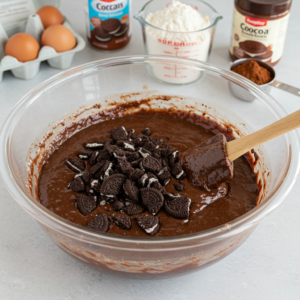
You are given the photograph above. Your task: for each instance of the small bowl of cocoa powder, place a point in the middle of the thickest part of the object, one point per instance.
(260, 73)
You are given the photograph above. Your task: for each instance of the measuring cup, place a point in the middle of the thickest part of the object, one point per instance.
(245, 95)
(195, 45)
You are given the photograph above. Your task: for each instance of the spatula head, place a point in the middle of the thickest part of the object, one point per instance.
(207, 165)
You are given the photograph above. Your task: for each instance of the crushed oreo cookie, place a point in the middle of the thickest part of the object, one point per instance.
(123, 221)
(95, 184)
(152, 199)
(133, 208)
(90, 191)
(164, 174)
(119, 134)
(150, 224)
(173, 158)
(179, 187)
(86, 204)
(177, 171)
(125, 167)
(178, 207)
(112, 185)
(150, 146)
(96, 168)
(146, 132)
(93, 158)
(75, 165)
(84, 155)
(86, 177)
(106, 170)
(129, 173)
(132, 157)
(103, 155)
(151, 164)
(77, 185)
(99, 223)
(118, 206)
(136, 174)
(94, 145)
(128, 146)
(130, 133)
(131, 190)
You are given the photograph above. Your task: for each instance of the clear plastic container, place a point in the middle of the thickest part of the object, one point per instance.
(71, 95)
(196, 45)
(32, 25)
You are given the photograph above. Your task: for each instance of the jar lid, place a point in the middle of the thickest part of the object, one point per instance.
(264, 7)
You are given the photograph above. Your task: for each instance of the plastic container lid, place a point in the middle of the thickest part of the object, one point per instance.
(18, 24)
(264, 7)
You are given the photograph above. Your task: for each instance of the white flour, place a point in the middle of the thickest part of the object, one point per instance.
(178, 17)
(176, 36)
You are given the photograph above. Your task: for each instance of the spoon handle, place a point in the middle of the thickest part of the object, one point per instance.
(240, 146)
(286, 87)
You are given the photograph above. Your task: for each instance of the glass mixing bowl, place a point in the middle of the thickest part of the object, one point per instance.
(74, 94)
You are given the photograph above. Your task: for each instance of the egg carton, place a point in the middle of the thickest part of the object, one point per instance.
(27, 70)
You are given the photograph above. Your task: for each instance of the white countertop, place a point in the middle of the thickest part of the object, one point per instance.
(266, 266)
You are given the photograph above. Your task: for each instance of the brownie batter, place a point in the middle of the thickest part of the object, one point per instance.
(220, 205)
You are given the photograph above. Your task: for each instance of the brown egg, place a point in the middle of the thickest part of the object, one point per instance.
(50, 15)
(23, 47)
(59, 37)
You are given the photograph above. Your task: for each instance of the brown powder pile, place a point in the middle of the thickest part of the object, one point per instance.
(254, 72)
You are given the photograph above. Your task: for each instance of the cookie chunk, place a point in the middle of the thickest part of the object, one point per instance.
(146, 132)
(84, 155)
(152, 199)
(151, 164)
(123, 221)
(133, 208)
(118, 206)
(131, 190)
(96, 145)
(75, 165)
(179, 187)
(177, 172)
(112, 185)
(119, 134)
(136, 174)
(85, 204)
(99, 223)
(178, 207)
(77, 185)
(150, 224)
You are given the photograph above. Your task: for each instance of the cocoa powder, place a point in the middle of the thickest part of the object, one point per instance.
(254, 72)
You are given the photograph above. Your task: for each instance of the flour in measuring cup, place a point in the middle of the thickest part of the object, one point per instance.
(178, 35)
(178, 17)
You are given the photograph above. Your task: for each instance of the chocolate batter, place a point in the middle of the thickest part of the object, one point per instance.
(208, 209)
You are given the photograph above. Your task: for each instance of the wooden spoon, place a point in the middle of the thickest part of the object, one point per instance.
(238, 147)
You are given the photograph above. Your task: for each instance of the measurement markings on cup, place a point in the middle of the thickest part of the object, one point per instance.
(177, 71)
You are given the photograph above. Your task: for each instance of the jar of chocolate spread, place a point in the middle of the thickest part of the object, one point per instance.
(108, 23)
(259, 29)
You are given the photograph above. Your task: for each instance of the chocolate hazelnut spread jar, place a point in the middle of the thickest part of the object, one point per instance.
(108, 23)
(259, 29)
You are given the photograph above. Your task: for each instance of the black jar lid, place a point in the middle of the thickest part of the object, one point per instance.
(264, 7)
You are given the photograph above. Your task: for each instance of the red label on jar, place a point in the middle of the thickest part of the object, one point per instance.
(255, 22)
